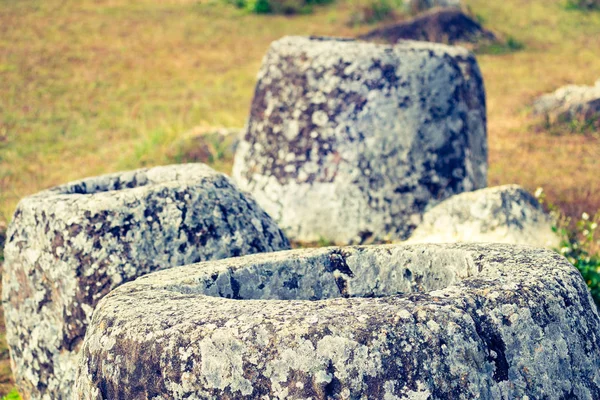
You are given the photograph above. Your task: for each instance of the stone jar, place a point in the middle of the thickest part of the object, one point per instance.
(69, 246)
(350, 141)
(501, 214)
(460, 321)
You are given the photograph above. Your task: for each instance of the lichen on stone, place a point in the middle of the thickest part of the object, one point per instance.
(459, 321)
(70, 245)
(349, 140)
(502, 214)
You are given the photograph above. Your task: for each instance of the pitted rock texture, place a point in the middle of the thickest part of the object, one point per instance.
(351, 140)
(460, 321)
(69, 246)
(571, 103)
(503, 214)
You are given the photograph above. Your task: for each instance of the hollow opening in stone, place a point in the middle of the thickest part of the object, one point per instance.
(331, 39)
(104, 183)
(352, 272)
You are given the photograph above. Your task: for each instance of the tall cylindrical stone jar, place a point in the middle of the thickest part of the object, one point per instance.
(349, 140)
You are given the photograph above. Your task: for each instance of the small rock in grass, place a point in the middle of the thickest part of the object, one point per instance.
(571, 104)
(503, 214)
(205, 145)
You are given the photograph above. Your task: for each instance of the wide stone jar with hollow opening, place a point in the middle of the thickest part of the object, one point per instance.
(462, 321)
(351, 141)
(69, 246)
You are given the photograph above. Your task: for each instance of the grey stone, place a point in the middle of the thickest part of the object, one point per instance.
(417, 6)
(348, 140)
(69, 246)
(571, 103)
(459, 321)
(503, 214)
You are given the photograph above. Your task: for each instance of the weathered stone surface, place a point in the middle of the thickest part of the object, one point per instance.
(69, 246)
(446, 25)
(571, 103)
(348, 140)
(382, 322)
(503, 214)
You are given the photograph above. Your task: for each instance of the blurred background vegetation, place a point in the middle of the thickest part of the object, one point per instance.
(96, 86)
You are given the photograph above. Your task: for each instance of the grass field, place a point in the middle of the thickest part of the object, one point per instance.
(88, 87)
(96, 86)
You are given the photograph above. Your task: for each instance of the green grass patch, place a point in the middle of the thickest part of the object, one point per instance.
(510, 45)
(578, 246)
(286, 7)
(585, 5)
(580, 242)
(565, 125)
(12, 395)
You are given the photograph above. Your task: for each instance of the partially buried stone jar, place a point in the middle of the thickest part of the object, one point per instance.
(501, 214)
(383, 322)
(69, 246)
(350, 140)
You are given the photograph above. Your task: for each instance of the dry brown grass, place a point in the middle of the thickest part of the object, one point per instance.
(96, 86)
(559, 50)
(91, 87)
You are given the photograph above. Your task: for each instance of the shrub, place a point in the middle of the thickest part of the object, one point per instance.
(373, 11)
(580, 242)
(513, 44)
(278, 6)
(13, 395)
(583, 4)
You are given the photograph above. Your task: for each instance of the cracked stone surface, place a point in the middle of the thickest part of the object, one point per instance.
(503, 214)
(69, 246)
(571, 103)
(455, 321)
(349, 140)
